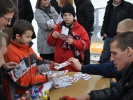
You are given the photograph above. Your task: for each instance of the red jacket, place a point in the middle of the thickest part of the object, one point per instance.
(61, 54)
(16, 53)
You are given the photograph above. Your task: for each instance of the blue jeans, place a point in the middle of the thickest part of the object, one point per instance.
(106, 50)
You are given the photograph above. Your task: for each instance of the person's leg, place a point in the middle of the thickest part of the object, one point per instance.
(86, 57)
(87, 52)
(106, 51)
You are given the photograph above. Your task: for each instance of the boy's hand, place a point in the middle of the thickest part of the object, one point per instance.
(56, 64)
(63, 37)
(75, 62)
(49, 77)
(55, 34)
(69, 40)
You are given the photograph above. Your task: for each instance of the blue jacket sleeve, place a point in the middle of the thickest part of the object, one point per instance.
(105, 69)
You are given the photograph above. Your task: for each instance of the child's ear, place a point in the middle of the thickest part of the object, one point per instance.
(17, 36)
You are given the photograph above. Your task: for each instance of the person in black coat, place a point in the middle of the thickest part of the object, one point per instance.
(55, 5)
(115, 11)
(85, 17)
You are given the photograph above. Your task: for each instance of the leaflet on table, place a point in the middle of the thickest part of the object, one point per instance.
(80, 75)
(19, 71)
(59, 83)
(61, 65)
(49, 22)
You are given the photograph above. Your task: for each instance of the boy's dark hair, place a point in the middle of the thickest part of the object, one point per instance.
(20, 27)
(2, 35)
(7, 6)
(123, 40)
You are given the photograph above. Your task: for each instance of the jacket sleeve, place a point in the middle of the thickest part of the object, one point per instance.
(3, 73)
(83, 43)
(89, 15)
(50, 39)
(41, 20)
(107, 94)
(44, 65)
(105, 69)
(29, 78)
(130, 14)
(104, 25)
(29, 12)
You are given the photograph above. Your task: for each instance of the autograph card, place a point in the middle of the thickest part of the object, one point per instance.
(64, 31)
(61, 65)
(49, 22)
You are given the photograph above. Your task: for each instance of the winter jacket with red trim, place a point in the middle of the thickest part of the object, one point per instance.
(18, 52)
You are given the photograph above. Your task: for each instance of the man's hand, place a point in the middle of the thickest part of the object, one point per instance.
(104, 35)
(75, 62)
(10, 65)
(83, 97)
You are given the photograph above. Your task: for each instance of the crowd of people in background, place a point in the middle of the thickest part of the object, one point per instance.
(54, 17)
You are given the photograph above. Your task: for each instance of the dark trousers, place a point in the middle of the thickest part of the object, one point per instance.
(48, 56)
(87, 52)
(86, 57)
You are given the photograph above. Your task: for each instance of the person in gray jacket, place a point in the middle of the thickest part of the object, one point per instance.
(45, 16)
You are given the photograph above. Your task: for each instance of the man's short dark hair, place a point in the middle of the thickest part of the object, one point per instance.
(20, 27)
(124, 40)
(2, 35)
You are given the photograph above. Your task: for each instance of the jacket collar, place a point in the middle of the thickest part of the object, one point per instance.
(128, 75)
(75, 24)
(22, 46)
